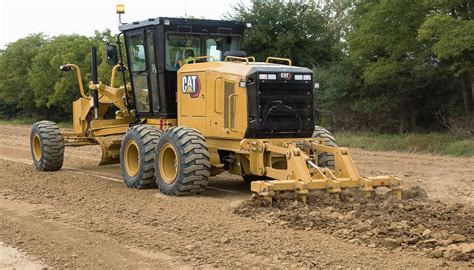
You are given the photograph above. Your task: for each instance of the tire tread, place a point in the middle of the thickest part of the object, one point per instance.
(146, 137)
(325, 159)
(195, 167)
(52, 146)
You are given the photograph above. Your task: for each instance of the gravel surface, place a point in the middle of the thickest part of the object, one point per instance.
(84, 217)
(416, 223)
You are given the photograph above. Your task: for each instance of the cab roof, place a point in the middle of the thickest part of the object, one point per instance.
(189, 25)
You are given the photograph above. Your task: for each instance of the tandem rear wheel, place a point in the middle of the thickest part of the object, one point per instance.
(182, 164)
(137, 154)
(175, 160)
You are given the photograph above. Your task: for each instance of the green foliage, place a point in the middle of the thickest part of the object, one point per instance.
(452, 39)
(53, 89)
(384, 45)
(401, 85)
(448, 32)
(31, 83)
(332, 97)
(292, 29)
(16, 95)
(385, 29)
(338, 14)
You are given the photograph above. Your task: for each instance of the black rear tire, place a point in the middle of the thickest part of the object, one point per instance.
(182, 164)
(47, 147)
(325, 159)
(137, 154)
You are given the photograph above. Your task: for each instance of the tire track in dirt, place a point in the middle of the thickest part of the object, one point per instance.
(68, 246)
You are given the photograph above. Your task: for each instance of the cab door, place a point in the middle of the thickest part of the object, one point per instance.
(143, 71)
(138, 70)
(152, 70)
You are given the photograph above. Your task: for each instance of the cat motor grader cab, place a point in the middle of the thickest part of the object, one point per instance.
(195, 106)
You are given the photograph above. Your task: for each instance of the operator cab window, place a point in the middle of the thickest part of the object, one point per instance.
(180, 48)
(136, 52)
(216, 46)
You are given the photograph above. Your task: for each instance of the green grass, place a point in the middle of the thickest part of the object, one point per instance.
(28, 121)
(434, 143)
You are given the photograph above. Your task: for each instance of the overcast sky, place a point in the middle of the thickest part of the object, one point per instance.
(18, 18)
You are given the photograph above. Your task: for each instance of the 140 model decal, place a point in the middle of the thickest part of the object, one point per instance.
(191, 85)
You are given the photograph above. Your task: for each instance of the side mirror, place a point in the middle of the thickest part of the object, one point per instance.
(111, 52)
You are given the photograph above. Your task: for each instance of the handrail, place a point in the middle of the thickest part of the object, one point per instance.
(201, 57)
(79, 79)
(251, 58)
(278, 59)
(245, 59)
(114, 71)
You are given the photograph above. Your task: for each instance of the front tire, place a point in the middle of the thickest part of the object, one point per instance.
(325, 159)
(47, 147)
(137, 154)
(182, 164)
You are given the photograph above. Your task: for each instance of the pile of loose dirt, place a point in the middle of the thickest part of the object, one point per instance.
(414, 223)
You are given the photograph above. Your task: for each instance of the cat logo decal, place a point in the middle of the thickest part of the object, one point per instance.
(286, 76)
(191, 85)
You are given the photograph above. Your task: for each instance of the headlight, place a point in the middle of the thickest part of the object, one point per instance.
(303, 77)
(267, 76)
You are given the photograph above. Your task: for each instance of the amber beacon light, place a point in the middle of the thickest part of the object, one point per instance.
(120, 9)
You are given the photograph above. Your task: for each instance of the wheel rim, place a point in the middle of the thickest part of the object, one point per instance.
(168, 163)
(37, 147)
(132, 158)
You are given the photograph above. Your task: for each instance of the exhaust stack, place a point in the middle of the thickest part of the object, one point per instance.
(95, 80)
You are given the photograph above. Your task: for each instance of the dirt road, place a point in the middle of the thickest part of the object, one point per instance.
(83, 216)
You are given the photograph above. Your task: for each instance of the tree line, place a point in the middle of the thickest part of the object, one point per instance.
(380, 65)
(31, 84)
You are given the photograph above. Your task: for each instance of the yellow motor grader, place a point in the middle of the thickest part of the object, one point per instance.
(195, 105)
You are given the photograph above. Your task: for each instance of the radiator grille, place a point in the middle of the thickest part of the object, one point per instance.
(285, 107)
